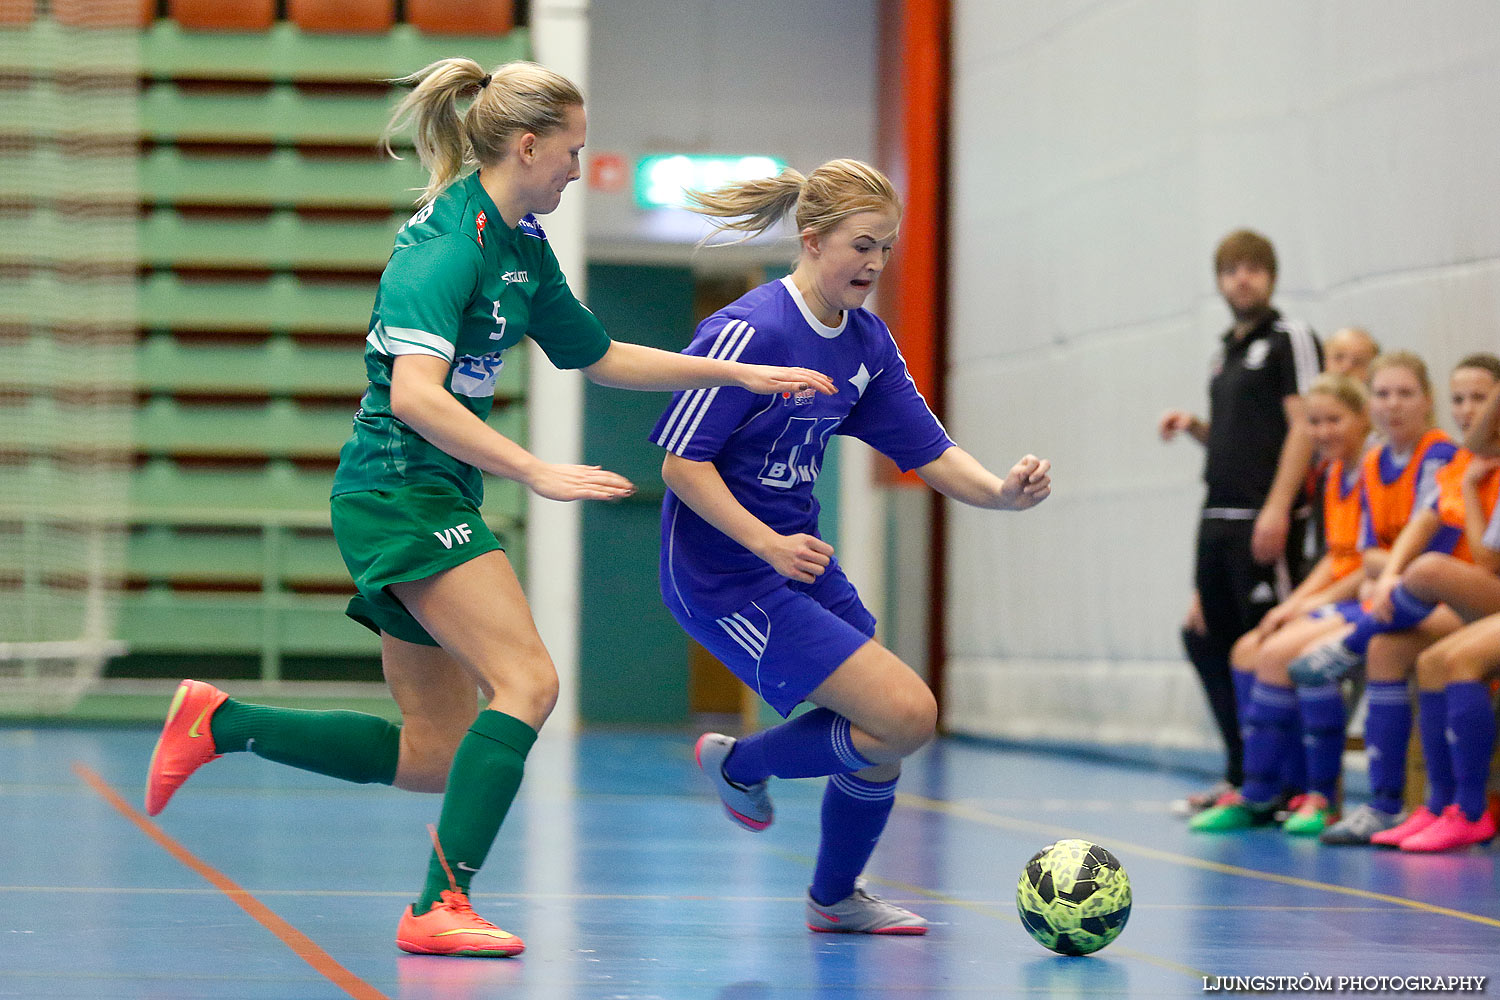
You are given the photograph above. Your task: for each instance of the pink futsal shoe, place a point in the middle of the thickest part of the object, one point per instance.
(748, 805)
(1452, 831)
(186, 743)
(452, 927)
(1411, 826)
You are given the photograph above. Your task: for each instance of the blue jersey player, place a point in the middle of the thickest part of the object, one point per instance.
(743, 568)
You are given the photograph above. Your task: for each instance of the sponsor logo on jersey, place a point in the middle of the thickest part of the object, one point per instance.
(474, 374)
(1255, 354)
(480, 221)
(796, 456)
(458, 534)
(515, 277)
(801, 398)
(421, 216)
(531, 227)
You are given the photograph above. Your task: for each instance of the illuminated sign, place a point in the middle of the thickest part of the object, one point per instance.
(663, 180)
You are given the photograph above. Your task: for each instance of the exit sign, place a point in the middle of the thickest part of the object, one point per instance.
(663, 180)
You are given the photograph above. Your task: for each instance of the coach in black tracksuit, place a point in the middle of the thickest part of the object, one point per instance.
(1258, 451)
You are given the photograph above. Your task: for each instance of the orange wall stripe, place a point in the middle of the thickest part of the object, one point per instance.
(912, 144)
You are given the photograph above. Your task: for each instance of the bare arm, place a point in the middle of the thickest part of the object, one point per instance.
(420, 400)
(1412, 542)
(634, 366)
(1269, 539)
(1174, 421)
(1484, 436)
(800, 557)
(957, 474)
(1475, 522)
(1318, 589)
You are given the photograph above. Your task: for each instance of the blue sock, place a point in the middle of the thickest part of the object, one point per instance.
(1432, 707)
(1409, 613)
(1268, 736)
(1387, 731)
(1294, 764)
(811, 745)
(1323, 719)
(1244, 682)
(854, 815)
(1471, 735)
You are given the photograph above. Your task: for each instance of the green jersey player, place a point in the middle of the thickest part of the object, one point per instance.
(470, 276)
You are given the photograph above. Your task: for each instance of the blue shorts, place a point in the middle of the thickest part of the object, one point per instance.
(785, 643)
(1346, 610)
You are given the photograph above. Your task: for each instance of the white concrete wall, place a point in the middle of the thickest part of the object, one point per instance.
(1100, 151)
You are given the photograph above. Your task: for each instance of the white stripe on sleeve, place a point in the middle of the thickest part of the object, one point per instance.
(397, 340)
(688, 414)
(1304, 354)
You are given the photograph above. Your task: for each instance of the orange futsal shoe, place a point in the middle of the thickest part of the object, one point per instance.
(452, 927)
(185, 744)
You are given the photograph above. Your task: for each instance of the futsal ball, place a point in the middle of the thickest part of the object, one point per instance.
(1074, 897)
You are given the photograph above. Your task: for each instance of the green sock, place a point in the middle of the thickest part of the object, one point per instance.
(482, 783)
(348, 745)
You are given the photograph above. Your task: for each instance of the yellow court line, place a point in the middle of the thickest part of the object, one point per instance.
(1004, 822)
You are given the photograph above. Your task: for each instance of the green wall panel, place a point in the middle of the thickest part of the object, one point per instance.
(632, 656)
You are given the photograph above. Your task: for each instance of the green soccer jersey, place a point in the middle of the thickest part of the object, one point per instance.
(463, 287)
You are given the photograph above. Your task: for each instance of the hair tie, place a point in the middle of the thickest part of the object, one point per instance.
(484, 81)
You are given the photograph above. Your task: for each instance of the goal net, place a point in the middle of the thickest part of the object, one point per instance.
(69, 73)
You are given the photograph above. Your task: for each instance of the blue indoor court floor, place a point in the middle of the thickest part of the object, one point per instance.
(627, 883)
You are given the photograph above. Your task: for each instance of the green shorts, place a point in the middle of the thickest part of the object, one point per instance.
(408, 533)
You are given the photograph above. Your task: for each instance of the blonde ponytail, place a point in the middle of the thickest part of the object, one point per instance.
(510, 100)
(750, 207)
(819, 201)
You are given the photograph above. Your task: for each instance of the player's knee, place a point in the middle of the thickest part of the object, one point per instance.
(1432, 668)
(1271, 667)
(1465, 663)
(525, 684)
(1242, 655)
(915, 721)
(1423, 572)
(538, 690)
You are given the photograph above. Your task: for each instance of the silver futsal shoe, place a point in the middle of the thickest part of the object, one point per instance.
(861, 913)
(1325, 664)
(747, 805)
(1359, 826)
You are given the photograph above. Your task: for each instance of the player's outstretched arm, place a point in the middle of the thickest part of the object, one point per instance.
(420, 400)
(957, 474)
(698, 484)
(634, 366)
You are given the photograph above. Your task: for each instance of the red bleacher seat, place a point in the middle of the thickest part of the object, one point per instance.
(17, 11)
(223, 15)
(462, 17)
(354, 16)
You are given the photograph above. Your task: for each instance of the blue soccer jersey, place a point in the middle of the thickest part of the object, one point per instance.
(769, 449)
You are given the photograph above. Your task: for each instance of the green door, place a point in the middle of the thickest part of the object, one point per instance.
(633, 663)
